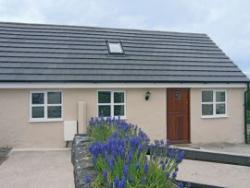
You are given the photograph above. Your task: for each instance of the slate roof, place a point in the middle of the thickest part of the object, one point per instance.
(56, 53)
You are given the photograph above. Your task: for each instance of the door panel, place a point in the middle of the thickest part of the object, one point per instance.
(178, 115)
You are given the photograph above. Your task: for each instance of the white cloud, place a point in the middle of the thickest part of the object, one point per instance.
(26, 11)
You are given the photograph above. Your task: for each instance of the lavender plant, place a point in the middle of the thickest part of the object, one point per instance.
(122, 160)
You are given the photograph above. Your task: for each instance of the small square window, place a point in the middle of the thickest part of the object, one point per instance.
(104, 97)
(111, 104)
(207, 109)
(38, 112)
(54, 111)
(104, 111)
(118, 97)
(213, 103)
(115, 47)
(220, 109)
(220, 96)
(119, 110)
(46, 105)
(37, 98)
(54, 98)
(207, 96)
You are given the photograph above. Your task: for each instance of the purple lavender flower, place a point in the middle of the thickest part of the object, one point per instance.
(127, 144)
(171, 152)
(111, 163)
(180, 185)
(87, 179)
(125, 170)
(157, 142)
(122, 183)
(180, 156)
(116, 182)
(146, 167)
(105, 174)
(174, 175)
(130, 157)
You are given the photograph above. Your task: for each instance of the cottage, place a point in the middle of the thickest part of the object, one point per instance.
(179, 86)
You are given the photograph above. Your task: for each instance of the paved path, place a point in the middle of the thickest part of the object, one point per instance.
(52, 169)
(215, 174)
(37, 169)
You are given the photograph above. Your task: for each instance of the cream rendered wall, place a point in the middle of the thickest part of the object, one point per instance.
(17, 131)
(149, 115)
(15, 128)
(229, 129)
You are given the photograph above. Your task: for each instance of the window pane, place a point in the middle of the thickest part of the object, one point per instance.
(54, 98)
(115, 47)
(104, 111)
(118, 97)
(104, 97)
(220, 96)
(207, 109)
(54, 112)
(119, 110)
(38, 112)
(220, 109)
(37, 98)
(207, 96)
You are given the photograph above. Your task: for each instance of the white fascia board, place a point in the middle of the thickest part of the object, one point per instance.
(118, 85)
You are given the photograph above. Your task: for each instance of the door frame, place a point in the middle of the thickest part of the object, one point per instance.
(189, 118)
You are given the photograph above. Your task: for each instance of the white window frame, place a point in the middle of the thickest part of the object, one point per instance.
(45, 105)
(214, 102)
(112, 104)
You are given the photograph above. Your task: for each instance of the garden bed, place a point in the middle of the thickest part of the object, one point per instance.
(116, 154)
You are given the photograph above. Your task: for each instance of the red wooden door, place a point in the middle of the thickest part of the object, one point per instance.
(178, 129)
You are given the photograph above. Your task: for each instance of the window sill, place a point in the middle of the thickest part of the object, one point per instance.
(214, 117)
(45, 120)
(116, 117)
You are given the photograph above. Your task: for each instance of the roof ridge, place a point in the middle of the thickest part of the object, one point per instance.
(104, 28)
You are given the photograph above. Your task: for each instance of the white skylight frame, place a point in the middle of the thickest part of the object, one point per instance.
(115, 47)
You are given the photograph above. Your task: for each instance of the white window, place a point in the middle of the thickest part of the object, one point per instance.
(111, 104)
(46, 106)
(214, 103)
(115, 47)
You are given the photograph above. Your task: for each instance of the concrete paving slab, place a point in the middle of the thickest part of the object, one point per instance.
(216, 174)
(37, 169)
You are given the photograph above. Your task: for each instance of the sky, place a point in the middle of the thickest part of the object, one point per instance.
(227, 22)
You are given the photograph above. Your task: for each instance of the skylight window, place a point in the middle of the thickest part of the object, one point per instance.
(115, 47)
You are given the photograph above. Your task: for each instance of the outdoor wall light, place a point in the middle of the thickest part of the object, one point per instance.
(147, 95)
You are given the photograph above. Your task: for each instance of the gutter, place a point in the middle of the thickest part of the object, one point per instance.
(62, 85)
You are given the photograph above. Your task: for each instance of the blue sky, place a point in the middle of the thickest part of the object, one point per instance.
(227, 22)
